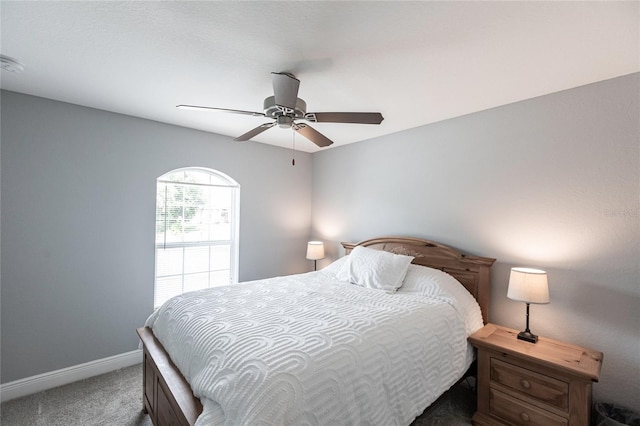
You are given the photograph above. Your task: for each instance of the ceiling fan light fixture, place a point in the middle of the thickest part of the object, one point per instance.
(284, 121)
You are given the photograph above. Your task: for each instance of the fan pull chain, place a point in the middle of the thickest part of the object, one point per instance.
(293, 152)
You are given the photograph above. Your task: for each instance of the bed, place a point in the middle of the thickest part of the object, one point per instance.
(353, 352)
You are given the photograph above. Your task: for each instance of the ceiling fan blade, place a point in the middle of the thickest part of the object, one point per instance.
(312, 134)
(345, 117)
(251, 133)
(285, 89)
(234, 111)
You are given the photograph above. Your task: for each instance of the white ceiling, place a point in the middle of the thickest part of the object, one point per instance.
(416, 62)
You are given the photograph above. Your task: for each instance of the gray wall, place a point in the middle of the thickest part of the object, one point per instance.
(552, 182)
(78, 211)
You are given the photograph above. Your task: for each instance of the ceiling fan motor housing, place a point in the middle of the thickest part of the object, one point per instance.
(272, 110)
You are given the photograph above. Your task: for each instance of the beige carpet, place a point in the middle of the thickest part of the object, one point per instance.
(115, 399)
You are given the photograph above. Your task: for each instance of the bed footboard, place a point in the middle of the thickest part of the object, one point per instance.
(167, 397)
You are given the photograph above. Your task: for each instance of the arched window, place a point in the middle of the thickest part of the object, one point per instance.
(196, 231)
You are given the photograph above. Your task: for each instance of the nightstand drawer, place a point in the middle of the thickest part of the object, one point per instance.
(517, 412)
(543, 388)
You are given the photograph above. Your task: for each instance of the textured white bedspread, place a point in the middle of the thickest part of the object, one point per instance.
(310, 350)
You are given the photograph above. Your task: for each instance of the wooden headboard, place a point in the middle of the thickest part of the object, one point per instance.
(472, 271)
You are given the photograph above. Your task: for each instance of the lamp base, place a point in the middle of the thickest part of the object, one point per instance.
(527, 336)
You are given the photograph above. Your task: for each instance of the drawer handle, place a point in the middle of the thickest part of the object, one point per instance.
(525, 384)
(524, 417)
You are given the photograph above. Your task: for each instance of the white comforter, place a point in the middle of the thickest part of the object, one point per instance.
(310, 350)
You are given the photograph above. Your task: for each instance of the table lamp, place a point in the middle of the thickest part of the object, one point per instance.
(530, 286)
(315, 251)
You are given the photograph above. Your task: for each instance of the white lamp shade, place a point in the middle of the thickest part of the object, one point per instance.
(315, 250)
(528, 285)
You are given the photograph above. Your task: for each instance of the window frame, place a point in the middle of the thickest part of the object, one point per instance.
(234, 218)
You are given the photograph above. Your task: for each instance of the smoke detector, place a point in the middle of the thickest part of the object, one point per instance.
(7, 63)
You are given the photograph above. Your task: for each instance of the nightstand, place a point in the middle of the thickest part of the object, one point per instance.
(520, 383)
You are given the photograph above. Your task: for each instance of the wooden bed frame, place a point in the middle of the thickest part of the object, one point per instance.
(168, 398)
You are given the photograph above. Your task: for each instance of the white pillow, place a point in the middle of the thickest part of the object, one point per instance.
(375, 269)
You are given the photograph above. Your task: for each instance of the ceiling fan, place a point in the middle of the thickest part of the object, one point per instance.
(285, 108)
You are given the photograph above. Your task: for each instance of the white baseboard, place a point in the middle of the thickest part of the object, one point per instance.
(67, 375)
